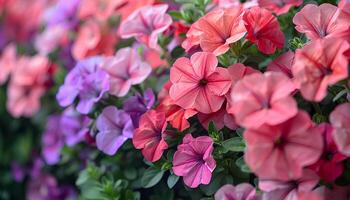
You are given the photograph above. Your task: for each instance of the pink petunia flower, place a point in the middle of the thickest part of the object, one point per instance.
(280, 152)
(150, 135)
(7, 62)
(243, 191)
(318, 21)
(260, 99)
(194, 161)
(198, 83)
(344, 16)
(279, 7)
(93, 39)
(318, 65)
(220, 118)
(281, 190)
(263, 30)
(330, 165)
(215, 31)
(125, 69)
(282, 63)
(146, 24)
(100, 9)
(340, 118)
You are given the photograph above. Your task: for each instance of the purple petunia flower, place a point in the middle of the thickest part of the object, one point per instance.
(74, 126)
(114, 127)
(64, 13)
(86, 80)
(52, 140)
(136, 105)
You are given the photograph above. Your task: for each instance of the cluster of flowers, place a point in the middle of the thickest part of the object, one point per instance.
(214, 89)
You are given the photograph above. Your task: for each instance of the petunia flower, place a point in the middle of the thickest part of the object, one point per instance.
(235, 3)
(146, 24)
(279, 7)
(114, 128)
(344, 16)
(136, 105)
(87, 81)
(340, 121)
(220, 119)
(52, 140)
(150, 135)
(243, 191)
(7, 62)
(318, 65)
(282, 63)
(125, 69)
(280, 152)
(220, 28)
(259, 99)
(63, 13)
(288, 190)
(330, 165)
(198, 83)
(194, 161)
(100, 9)
(263, 30)
(318, 21)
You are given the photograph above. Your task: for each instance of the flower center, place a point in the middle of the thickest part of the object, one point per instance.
(280, 142)
(203, 82)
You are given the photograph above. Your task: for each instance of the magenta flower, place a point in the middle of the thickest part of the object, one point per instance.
(194, 161)
(146, 24)
(243, 191)
(88, 81)
(125, 69)
(114, 127)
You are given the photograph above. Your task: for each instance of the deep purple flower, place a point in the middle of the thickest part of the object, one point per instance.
(74, 126)
(88, 81)
(18, 172)
(114, 127)
(136, 105)
(52, 140)
(63, 13)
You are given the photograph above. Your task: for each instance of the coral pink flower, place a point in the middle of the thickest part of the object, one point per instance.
(318, 65)
(150, 135)
(330, 165)
(125, 69)
(220, 118)
(235, 3)
(243, 191)
(175, 115)
(281, 190)
(279, 6)
(131, 6)
(7, 62)
(194, 161)
(340, 119)
(318, 21)
(309, 196)
(101, 9)
(344, 16)
(146, 24)
(282, 63)
(93, 39)
(193, 37)
(262, 99)
(263, 30)
(198, 83)
(280, 152)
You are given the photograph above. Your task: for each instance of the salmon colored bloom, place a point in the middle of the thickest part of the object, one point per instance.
(7, 62)
(318, 65)
(215, 31)
(260, 99)
(280, 152)
(282, 63)
(330, 165)
(198, 83)
(340, 118)
(100, 9)
(146, 24)
(220, 119)
(243, 191)
(125, 69)
(263, 30)
(282, 190)
(194, 161)
(279, 7)
(131, 6)
(344, 16)
(93, 39)
(150, 135)
(318, 21)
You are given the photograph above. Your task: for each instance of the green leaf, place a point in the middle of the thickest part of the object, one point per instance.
(175, 15)
(339, 95)
(172, 180)
(82, 178)
(235, 144)
(242, 165)
(212, 129)
(151, 177)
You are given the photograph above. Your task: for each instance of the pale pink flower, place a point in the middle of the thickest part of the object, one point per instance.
(7, 62)
(243, 191)
(340, 119)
